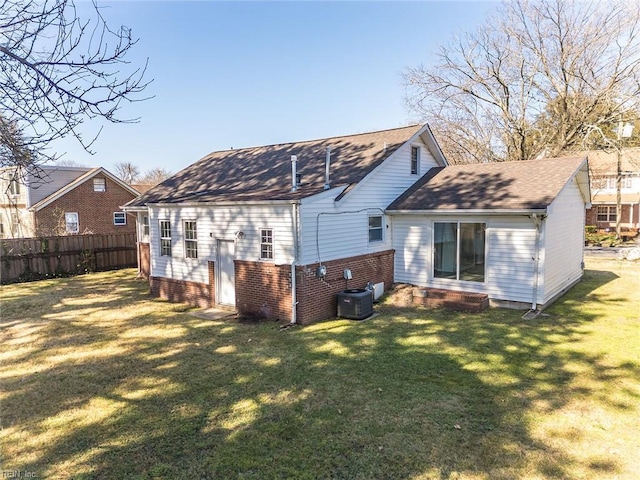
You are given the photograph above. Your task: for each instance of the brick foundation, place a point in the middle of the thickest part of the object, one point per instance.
(192, 293)
(263, 290)
(144, 260)
(317, 297)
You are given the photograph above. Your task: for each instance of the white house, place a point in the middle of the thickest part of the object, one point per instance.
(513, 230)
(249, 228)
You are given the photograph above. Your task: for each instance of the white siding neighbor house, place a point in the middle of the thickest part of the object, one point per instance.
(277, 231)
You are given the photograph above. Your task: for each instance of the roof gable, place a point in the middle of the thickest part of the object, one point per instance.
(264, 173)
(527, 185)
(79, 181)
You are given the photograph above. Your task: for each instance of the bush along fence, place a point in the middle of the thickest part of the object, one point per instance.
(27, 259)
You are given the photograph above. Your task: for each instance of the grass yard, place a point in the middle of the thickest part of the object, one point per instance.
(99, 381)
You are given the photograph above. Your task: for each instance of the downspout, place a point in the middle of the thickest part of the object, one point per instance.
(537, 221)
(294, 300)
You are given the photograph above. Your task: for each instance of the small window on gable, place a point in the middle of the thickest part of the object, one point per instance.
(375, 228)
(415, 160)
(119, 218)
(71, 222)
(266, 244)
(99, 185)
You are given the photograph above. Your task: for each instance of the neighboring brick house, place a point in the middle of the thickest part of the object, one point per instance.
(64, 201)
(603, 170)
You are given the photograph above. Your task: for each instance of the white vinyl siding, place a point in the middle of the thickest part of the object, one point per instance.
(412, 243)
(563, 242)
(344, 225)
(220, 223)
(510, 243)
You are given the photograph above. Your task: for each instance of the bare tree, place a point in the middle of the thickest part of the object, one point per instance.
(536, 79)
(57, 71)
(154, 176)
(127, 172)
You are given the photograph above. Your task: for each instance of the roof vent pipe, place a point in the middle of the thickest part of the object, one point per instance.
(327, 164)
(294, 177)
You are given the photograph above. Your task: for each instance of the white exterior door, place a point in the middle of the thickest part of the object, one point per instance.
(225, 273)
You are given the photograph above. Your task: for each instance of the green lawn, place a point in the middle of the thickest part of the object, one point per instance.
(100, 381)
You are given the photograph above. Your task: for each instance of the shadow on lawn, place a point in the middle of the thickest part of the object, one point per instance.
(411, 392)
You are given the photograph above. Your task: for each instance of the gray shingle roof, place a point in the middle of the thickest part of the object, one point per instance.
(524, 185)
(264, 173)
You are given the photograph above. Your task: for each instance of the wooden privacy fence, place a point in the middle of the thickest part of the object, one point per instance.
(25, 259)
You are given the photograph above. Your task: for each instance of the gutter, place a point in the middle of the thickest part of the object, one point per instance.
(227, 203)
(471, 211)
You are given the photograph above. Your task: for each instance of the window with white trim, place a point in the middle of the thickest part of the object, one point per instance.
(145, 225)
(165, 238)
(119, 218)
(458, 252)
(15, 224)
(375, 228)
(99, 185)
(190, 239)
(14, 186)
(606, 213)
(415, 160)
(266, 244)
(71, 222)
(625, 181)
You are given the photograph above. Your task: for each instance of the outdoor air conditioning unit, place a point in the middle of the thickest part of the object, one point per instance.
(355, 303)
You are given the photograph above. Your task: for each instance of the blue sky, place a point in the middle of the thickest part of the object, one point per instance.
(241, 74)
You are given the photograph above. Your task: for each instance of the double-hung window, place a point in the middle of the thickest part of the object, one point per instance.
(165, 238)
(459, 251)
(190, 239)
(266, 244)
(606, 213)
(145, 225)
(14, 186)
(119, 218)
(375, 228)
(71, 222)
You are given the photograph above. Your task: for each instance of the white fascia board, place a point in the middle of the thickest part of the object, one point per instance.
(432, 144)
(134, 209)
